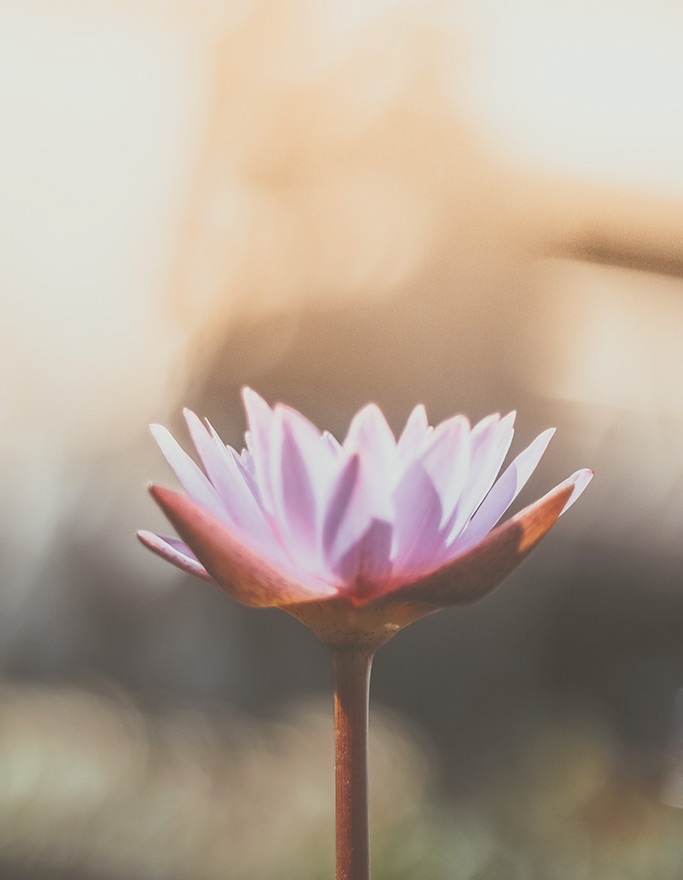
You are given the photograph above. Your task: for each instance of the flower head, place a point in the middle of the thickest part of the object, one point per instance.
(355, 538)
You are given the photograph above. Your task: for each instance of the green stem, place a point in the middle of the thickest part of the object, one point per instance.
(351, 667)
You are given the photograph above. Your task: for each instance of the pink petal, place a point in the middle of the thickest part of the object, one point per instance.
(417, 535)
(176, 552)
(368, 559)
(227, 478)
(579, 480)
(503, 493)
(245, 464)
(414, 433)
(336, 513)
(243, 573)
(474, 573)
(191, 477)
(259, 440)
(292, 470)
(213, 457)
(356, 501)
(332, 442)
(371, 437)
(489, 444)
(446, 458)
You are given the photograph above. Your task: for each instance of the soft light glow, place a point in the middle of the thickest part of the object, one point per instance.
(102, 111)
(589, 90)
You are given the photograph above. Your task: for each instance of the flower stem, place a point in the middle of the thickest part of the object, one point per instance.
(351, 665)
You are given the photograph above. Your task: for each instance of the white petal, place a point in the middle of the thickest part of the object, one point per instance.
(371, 437)
(490, 441)
(235, 493)
(332, 442)
(417, 534)
(503, 493)
(176, 552)
(335, 519)
(259, 440)
(245, 462)
(294, 500)
(414, 433)
(191, 476)
(369, 558)
(446, 458)
(580, 479)
(351, 510)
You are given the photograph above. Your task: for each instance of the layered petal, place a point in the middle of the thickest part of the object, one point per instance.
(259, 439)
(175, 552)
(371, 438)
(579, 480)
(502, 494)
(368, 560)
(303, 467)
(490, 440)
(351, 526)
(228, 479)
(232, 563)
(446, 455)
(193, 480)
(419, 512)
(474, 573)
(414, 433)
(372, 526)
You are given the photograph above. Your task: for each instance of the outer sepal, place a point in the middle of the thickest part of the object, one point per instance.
(242, 572)
(479, 570)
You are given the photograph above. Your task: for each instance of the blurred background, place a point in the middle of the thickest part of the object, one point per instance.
(475, 205)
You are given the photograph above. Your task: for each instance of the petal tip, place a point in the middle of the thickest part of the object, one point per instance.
(249, 396)
(578, 483)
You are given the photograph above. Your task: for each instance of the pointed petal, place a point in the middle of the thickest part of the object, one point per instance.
(417, 535)
(176, 552)
(579, 481)
(490, 441)
(191, 477)
(371, 437)
(235, 566)
(503, 493)
(356, 501)
(332, 442)
(368, 559)
(294, 466)
(245, 462)
(476, 572)
(259, 436)
(226, 477)
(446, 458)
(340, 498)
(414, 433)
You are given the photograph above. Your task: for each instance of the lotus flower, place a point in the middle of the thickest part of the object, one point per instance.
(358, 538)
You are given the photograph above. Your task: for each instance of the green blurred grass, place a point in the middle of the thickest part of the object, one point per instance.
(94, 786)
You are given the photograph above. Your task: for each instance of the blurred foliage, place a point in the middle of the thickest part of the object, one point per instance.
(92, 785)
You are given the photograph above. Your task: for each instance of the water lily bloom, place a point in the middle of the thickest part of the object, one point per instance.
(357, 538)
